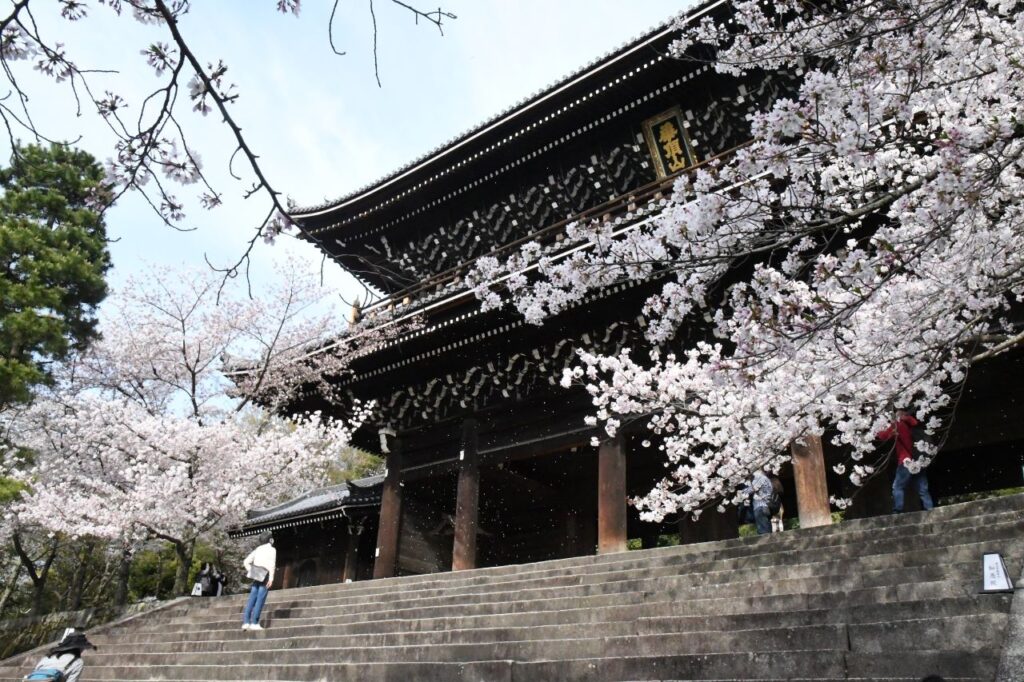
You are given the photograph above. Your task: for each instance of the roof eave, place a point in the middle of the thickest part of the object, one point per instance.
(508, 115)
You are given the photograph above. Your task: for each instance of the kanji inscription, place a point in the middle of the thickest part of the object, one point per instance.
(669, 146)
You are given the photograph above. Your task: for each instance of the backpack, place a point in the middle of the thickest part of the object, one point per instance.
(775, 501)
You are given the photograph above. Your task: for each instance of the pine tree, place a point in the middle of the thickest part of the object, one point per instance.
(53, 258)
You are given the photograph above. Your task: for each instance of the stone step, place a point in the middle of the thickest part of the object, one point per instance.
(538, 624)
(779, 548)
(971, 633)
(928, 630)
(603, 607)
(585, 644)
(881, 599)
(886, 569)
(982, 665)
(17, 677)
(993, 539)
(911, 523)
(675, 587)
(771, 666)
(863, 606)
(874, 555)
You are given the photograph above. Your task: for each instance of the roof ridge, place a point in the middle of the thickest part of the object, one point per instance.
(538, 94)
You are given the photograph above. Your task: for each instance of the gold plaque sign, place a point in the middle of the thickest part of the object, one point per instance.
(666, 138)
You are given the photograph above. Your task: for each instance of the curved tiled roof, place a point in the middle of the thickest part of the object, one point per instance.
(360, 492)
(506, 113)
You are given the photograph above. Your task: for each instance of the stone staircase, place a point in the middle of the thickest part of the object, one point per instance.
(889, 598)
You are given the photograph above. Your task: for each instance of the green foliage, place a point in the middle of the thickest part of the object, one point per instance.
(152, 574)
(749, 530)
(667, 540)
(53, 258)
(155, 567)
(353, 464)
(10, 489)
(982, 495)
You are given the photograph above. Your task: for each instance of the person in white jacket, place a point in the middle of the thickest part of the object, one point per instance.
(259, 567)
(64, 661)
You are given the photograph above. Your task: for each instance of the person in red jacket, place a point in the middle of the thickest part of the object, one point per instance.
(902, 431)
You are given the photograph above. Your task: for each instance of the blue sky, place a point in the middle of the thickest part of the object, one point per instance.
(319, 122)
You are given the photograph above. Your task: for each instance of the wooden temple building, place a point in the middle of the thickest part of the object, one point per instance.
(488, 459)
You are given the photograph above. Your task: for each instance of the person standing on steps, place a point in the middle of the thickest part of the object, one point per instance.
(205, 581)
(259, 567)
(64, 661)
(905, 430)
(758, 509)
(219, 581)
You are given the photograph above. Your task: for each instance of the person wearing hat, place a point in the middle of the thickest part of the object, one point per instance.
(259, 567)
(64, 661)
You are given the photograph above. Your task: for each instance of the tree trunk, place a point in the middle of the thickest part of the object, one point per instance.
(108, 573)
(39, 584)
(37, 575)
(78, 579)
(11, 583)
(124, 571)
(184, 551)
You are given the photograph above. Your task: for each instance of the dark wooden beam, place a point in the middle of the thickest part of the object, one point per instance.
(386, 562)
(355, 530)
(811, 484)
(467, 505)
(506, 452)
(611, 496)
(502, 476)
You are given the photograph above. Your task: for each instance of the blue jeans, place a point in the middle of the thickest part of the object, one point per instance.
(900, 483)
(759, 516)
(257, 595)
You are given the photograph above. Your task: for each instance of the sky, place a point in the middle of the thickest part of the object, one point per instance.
(319, 122)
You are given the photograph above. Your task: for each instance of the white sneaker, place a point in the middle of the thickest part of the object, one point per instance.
(245, 626)
(255, 626)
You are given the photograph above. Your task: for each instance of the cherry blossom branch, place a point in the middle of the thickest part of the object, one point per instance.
(154, 149)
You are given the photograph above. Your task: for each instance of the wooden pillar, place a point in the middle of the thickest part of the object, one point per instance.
(355, 531)
(467, 504)
(571, 546)
(287, 576)
(611, 496)
(385, 563)
(811, 485)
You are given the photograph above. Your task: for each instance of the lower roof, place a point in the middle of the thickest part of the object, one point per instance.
(315, 505)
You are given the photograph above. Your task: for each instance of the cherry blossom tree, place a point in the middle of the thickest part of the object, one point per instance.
(877, 212)
(171, 426)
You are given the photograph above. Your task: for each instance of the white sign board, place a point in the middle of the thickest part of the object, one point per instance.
(994, 575)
